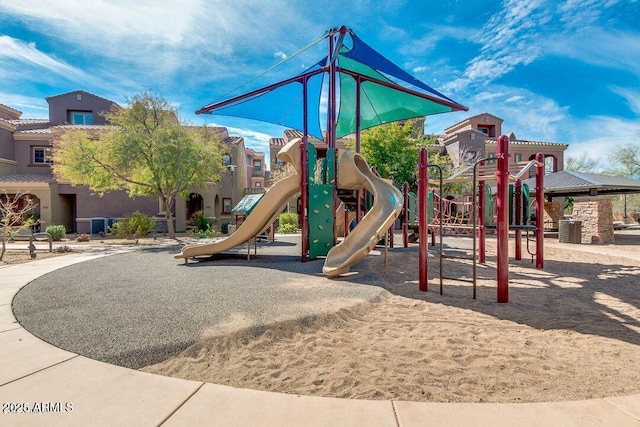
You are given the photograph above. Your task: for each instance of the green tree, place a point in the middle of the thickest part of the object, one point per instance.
(626, 161)
(393, 149)
(146, 152)
(582, 163)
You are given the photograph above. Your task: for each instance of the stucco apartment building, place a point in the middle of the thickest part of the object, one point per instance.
(474, 137)
(25, 166)
(477, 137)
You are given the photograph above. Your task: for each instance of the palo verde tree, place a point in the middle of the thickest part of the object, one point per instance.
(146, 151)
(582, 163)
(626, 161)
(393, 149)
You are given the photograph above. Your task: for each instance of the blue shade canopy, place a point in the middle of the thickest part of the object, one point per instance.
(387, 94)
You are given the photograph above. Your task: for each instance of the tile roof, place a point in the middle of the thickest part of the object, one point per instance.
(43, 131)
(233, 140)
(85, 127)
(468, 119)
(23, 122)
(11, 110)
(525, 142)
(27, 178)
(83, 91)
(276, 142)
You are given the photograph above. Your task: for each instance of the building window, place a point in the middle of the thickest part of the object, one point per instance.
(248, 159)
(226, 159)
(226, 205)
(258, 185)
(517, 157)
(81, 117)
(42, 155)
(491, 159)
(550, 165)
(257, 165)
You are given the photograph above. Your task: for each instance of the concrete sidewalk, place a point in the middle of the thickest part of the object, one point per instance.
(67, 389)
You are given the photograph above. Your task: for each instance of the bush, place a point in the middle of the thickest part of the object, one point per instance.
(57, 232)
(201, 222)
(287, 228)
(288, 218)
(224, 227)
(204, 234)
(132, 228)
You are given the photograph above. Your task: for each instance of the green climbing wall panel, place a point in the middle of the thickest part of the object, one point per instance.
(321, 175)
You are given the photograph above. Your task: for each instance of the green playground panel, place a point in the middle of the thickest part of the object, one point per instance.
(321, 174)
(488, 205)
(320, 219)
(525, 204)
(413, 207)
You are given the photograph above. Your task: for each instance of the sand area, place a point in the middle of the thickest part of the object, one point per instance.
(569, 332)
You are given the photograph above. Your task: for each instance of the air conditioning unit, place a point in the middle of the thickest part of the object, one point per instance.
(101, 224)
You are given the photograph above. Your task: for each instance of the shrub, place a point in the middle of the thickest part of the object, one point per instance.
(201, 222)
(288, 222)
(57, 232)
(288, 218)
(287, 228)
(204, 234)
(132, 228)
(224, 227)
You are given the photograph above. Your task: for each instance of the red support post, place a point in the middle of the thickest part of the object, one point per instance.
(304, 181)
(482, 248)
(358, 191)
(517, 194)
(405, 216)
(433, 230)
(346, 223)
(423, 205)
(502, 229)
(540, 211)
(392, 229)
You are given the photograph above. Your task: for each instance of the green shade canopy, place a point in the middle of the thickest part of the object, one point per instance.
(246, 204)
(387, 93)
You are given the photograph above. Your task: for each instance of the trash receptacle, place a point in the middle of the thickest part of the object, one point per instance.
(570, 231)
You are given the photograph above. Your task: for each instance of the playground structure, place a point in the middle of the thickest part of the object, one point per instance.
(354, 174)
(511, 207)
(368, 96)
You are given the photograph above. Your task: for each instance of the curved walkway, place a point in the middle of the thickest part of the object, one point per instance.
(68, 389)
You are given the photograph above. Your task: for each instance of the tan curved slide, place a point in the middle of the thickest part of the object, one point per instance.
(262, 215)
(354, 173)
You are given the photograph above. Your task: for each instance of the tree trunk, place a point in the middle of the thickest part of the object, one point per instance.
(167, 215)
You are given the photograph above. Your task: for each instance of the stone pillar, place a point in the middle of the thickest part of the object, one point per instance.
(553, 212)
(597, 220)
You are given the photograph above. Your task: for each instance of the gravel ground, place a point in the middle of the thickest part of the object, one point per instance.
(143, 307)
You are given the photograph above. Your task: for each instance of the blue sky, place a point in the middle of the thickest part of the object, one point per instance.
(561, 71)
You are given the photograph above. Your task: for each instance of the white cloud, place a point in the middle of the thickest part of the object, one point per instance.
(32, 108)
(280, 54)
(12, 49)
(164, 38)
(632, 97)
